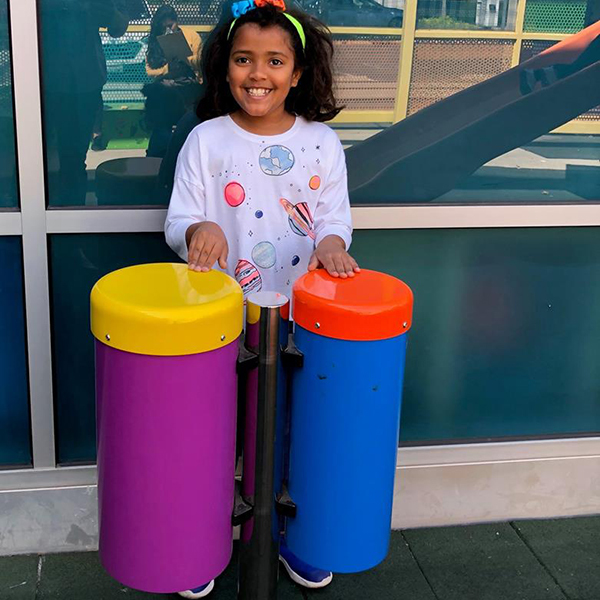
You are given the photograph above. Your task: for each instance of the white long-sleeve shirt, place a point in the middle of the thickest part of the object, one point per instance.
(275, 197)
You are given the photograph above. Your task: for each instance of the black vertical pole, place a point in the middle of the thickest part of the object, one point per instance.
(259, 548)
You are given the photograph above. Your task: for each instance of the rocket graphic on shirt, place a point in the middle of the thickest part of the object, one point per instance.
(300, 218)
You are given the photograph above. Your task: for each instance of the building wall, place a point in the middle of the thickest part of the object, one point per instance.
(502, 355)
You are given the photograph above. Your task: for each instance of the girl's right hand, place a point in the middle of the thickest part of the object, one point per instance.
(206, 245)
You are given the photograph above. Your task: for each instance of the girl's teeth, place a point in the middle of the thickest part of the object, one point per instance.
(257, 92)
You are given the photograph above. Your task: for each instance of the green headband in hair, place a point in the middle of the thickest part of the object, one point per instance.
(241, 8)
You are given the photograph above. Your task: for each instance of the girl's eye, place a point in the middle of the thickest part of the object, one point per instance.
(276, 62)
(242, 60)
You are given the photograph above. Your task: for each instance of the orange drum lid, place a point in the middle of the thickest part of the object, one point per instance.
(369, 306)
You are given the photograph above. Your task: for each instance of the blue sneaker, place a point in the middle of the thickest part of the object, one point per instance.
(199, 592)
(300, 572)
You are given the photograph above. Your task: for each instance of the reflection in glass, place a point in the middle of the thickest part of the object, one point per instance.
(505, 333)
(366, 71)
(473, 122)
(74, 73)
(14, 402)
(477, 130)
(355, 13)
(173, 63)
(466, 14)
(77, 262)
(555, 16)
(8, 187)
(96, 81)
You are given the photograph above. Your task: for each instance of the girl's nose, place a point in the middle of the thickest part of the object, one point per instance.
(257, 72)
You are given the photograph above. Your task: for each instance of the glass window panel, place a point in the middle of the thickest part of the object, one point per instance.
(480, 132)
(506, 326)
(15, 447)
(77, 262)
(476, 130)
(355, 13)
(466, 14)
(8, 164)
(95, 127)
(503, 344)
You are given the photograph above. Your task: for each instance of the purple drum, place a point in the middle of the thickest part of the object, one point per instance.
(166, 350)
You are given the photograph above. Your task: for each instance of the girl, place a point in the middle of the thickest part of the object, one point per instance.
(176, 84)
(260, 185)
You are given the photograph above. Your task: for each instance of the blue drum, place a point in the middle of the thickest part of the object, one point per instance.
(345, 416)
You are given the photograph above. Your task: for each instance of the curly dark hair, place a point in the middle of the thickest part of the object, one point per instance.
(155, 55)
(312, 98)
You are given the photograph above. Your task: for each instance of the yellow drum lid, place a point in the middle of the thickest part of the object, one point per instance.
(165, 309)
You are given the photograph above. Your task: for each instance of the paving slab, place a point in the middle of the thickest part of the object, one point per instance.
(570, 550)
(80, 575)
(226, 584)
(481, 562)
(18, 577)
(398, 577)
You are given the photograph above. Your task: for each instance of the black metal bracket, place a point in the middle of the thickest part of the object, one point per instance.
(284, 504)
(242, 510)
(247, 360)
(291, 356)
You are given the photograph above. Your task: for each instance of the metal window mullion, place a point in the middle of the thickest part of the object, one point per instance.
(105, 221)
(426, 216)
(28, 125)
(423, 216)
(10, 223)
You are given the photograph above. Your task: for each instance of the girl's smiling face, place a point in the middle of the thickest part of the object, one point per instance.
(260, 74)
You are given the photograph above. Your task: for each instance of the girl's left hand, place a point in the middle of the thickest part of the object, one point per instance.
(331, 255)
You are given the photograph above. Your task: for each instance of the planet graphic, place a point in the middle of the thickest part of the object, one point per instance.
(248, 276)
(264, 255)
(314, 182)
(234, 194)
(276, 160)
(258, 214)
(295, 260)
(300, 219)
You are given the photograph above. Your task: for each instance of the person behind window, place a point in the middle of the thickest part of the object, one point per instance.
(74, 73)
(176, 85)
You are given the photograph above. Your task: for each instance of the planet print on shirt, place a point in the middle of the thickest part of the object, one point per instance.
(264, 255)
(234, 193)
(295, 260)
(276, 160)
(300, 219)
(248, 276)
(314, 182)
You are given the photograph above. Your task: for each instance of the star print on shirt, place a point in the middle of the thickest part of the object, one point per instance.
(318, 147)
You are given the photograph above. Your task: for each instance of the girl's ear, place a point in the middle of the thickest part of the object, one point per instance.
(296, 77)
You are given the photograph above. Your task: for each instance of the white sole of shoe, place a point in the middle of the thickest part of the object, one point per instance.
(205, 592)
(303, 582)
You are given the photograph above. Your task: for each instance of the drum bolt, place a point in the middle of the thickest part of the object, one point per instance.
(107, 337)
(405, 324)
(223, 338)
(317, 325)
